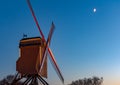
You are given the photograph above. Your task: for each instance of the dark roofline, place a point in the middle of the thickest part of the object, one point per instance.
(30, 38)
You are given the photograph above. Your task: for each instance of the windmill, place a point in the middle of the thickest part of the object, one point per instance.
(32, 63)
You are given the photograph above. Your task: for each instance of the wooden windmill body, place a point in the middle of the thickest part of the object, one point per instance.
(31, 53)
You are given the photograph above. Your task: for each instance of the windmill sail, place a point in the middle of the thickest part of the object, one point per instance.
(49, 50)
(46, 47)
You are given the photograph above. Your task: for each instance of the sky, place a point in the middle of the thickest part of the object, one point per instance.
(85, 42)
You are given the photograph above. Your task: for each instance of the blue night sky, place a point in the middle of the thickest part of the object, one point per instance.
(85, 43)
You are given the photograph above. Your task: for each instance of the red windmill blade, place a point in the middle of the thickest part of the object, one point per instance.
(46, 47)
(49, 50)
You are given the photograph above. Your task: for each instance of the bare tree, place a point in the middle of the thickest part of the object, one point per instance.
(88, 81)
(8, 80)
